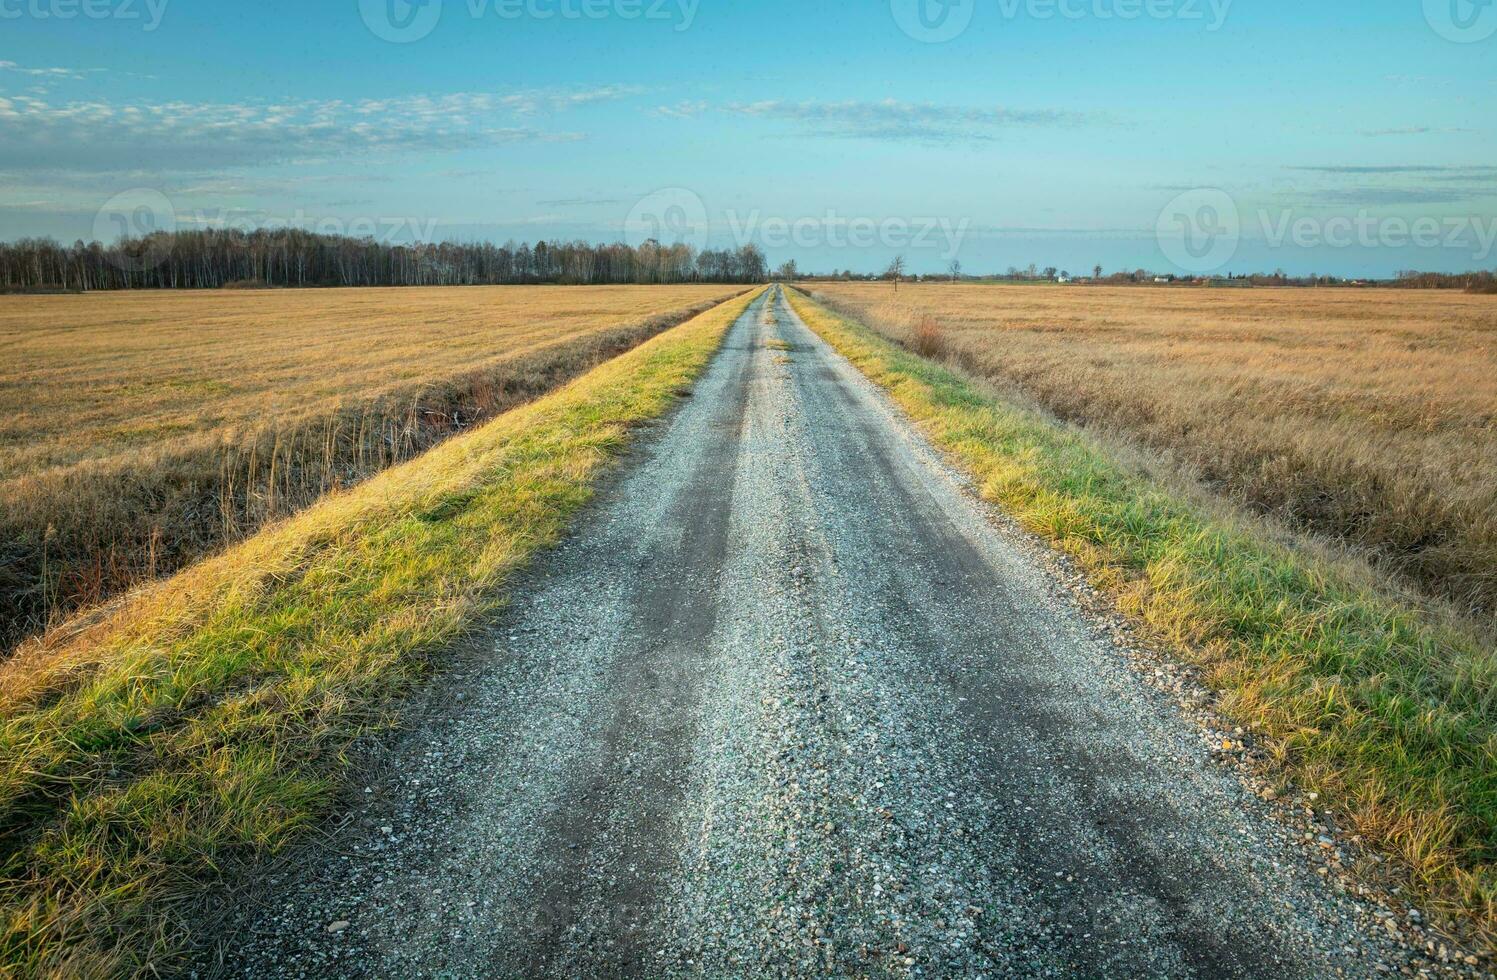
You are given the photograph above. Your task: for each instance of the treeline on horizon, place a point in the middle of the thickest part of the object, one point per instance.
(1472, 282)
(214, 259)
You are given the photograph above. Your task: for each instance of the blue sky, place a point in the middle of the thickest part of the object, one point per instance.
(1342, 138)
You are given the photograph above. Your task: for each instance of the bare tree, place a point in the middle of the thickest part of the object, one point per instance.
(1097, 272)
(211, 259)
(956, 270)
(895, 271)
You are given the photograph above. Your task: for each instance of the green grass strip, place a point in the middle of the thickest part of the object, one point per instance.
(1389, 716)
(208, 720)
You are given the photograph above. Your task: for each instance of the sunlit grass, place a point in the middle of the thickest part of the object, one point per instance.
(142, 431)
(1391, 717)
(207, 720)
(1366, 416)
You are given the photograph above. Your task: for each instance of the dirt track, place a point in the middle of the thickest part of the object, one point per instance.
(789, 702)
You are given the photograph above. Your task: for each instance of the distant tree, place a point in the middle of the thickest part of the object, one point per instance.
(788, 271)
(955, 269)
(292, 257)
(895, 271)
(1096, 272)
(1051, 272)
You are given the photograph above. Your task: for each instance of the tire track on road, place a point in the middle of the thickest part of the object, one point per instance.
(788, 703)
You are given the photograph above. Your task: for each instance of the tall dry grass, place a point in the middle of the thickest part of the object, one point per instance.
(140, 433)
(1368, 417)
(206, 722)
(1353, 693)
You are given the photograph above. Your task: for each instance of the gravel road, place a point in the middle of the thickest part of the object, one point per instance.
(790, 702)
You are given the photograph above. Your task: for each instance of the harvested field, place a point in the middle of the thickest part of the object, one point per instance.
(141, 431)
(1369, 417)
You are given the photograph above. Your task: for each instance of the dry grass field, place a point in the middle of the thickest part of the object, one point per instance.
(1366, 416)
(139, 431)
(1382, 706)
(205, 723)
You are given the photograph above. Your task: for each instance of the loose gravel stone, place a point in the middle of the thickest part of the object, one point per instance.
(791, 702)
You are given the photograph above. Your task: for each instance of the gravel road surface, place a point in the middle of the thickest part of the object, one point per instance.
(789, 702)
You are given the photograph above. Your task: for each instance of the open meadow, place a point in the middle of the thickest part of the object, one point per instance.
(1366, 416)
(141, 430)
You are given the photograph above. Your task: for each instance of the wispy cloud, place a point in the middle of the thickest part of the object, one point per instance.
(1395, 184)
(1419, 169)
(890, 119)
(1374, 196)
(687, 109)
(55, 73)
(530, 102)
(577, 202)
(169, 137)
(1413, 131)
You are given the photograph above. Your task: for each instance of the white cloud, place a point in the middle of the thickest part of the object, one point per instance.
(682, 110)
(890, 119)
(1412, 131)
(72, 73)
(99, 135)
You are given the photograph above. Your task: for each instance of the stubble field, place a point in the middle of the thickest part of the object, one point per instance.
(139, 431)
(1367, 417)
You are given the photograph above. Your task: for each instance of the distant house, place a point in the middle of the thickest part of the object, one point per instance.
(1063, 278)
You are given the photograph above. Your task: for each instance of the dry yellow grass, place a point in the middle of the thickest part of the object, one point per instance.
(1354, 693)
(1366, 416)
(94, 375)
(207, 720)
(140, 431)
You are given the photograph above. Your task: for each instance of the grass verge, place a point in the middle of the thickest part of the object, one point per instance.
(1366, 418)
(1390, 717)
(217, 470)
(208, 719)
